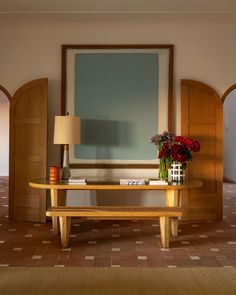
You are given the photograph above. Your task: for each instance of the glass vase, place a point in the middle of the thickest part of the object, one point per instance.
(163, 169)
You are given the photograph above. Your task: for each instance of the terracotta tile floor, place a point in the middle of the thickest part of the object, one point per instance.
(119, 243)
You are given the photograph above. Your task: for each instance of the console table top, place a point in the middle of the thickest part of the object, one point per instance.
(95, 184)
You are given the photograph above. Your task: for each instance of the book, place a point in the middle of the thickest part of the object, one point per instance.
(132, 181)
(77, 183)
(77, 180)
(158, 182)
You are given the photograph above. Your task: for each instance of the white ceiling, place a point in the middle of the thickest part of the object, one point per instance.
(117, 6)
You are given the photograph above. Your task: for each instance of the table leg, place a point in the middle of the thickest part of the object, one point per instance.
(172, 198)
(57, 199)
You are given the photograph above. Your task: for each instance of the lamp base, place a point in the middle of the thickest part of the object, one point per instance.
(65, 174)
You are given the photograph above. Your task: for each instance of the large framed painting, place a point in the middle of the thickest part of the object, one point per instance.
(123, 95)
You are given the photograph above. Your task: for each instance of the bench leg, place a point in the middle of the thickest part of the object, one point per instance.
(174, 226)
(57, 199)
(173, 200)
(65, 224)
(164, 229)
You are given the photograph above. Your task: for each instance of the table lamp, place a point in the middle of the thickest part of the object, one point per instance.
(66, 131)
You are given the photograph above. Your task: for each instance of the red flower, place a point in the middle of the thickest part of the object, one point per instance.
(192, 145)
(180, 153)
(175, 148)
(179, 139)
(164, 151)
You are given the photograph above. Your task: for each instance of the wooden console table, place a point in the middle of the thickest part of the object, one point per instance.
(58, 193)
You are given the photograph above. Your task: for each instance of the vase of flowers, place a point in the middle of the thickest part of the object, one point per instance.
(174, 149)
(163, 143)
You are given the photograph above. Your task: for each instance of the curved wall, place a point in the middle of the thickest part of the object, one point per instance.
(4, 134)
(230, 136)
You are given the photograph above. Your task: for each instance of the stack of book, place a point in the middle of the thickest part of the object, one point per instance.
(158, 182)
(76, 180)
(132, 181)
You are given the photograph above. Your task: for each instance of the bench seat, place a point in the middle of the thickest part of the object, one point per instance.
(65, 214)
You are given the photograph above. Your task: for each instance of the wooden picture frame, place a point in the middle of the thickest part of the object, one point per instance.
(123, 94)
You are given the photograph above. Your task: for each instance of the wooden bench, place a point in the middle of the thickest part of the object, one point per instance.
(114, 213)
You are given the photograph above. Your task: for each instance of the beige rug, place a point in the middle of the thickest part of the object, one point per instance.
(120, 281)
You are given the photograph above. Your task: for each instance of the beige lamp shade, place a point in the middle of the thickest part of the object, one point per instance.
(67, 130)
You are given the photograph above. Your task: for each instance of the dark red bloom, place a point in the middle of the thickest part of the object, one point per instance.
(179, 139)
(192, 145)
(180, 153)
(175, 148)
(164, 152)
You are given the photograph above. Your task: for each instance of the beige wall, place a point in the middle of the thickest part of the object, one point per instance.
(31, 47)
(205, 47)
(4, 134)
(230, 136)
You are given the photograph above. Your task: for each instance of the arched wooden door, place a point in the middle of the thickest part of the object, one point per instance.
(28, 150)
(202, 119)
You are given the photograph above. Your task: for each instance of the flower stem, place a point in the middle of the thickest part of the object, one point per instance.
(163, 169)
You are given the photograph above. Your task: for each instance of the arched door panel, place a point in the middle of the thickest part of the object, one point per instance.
(202, 119)
(28, 150)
